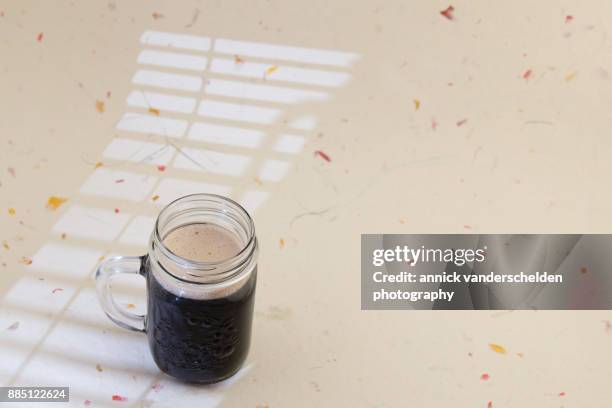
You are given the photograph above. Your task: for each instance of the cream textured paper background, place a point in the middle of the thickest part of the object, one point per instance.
(532, 157)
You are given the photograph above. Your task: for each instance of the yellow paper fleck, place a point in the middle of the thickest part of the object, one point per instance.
(100, 259)
(271, 70)
(497, 348)
(281, 243)
(570, 76)
(100, 106)
(155, 197)
(131, 306)
(54, 202)
(402, 221)
(98, 165)
(25, 261)
(417, 104)
(258, 181)
(238, 60)
(521, 355)
(154, 111)
(6, 245)
(11, 211)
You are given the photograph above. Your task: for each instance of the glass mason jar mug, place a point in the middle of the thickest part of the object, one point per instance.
(199, 308)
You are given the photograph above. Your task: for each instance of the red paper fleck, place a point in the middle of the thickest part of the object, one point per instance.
(484, 377)
(434, 124)
(119, 398)
(161, 167)
(562, 394)
(608, 326)
(467, 226)
(322, 155)
(108, 94)
(87, 403)
(157, 15)
(238, 60)
(119, 181)
(461, 122)
(11, 171)
(40, 36)
(56, 290)
(568, 19)
(584, 269)
(527, 74)
(490, 404)
(448, 12)
(116, 211)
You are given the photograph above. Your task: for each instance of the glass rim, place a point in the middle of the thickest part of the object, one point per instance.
(224, 265)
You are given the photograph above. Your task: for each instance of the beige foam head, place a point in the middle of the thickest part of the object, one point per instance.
(202, 242)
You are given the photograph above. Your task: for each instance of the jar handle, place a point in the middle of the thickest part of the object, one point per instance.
(108, 269)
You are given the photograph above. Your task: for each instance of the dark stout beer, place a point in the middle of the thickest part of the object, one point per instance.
(199, 338)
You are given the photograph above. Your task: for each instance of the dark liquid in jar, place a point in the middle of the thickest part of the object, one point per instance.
(201, 340)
